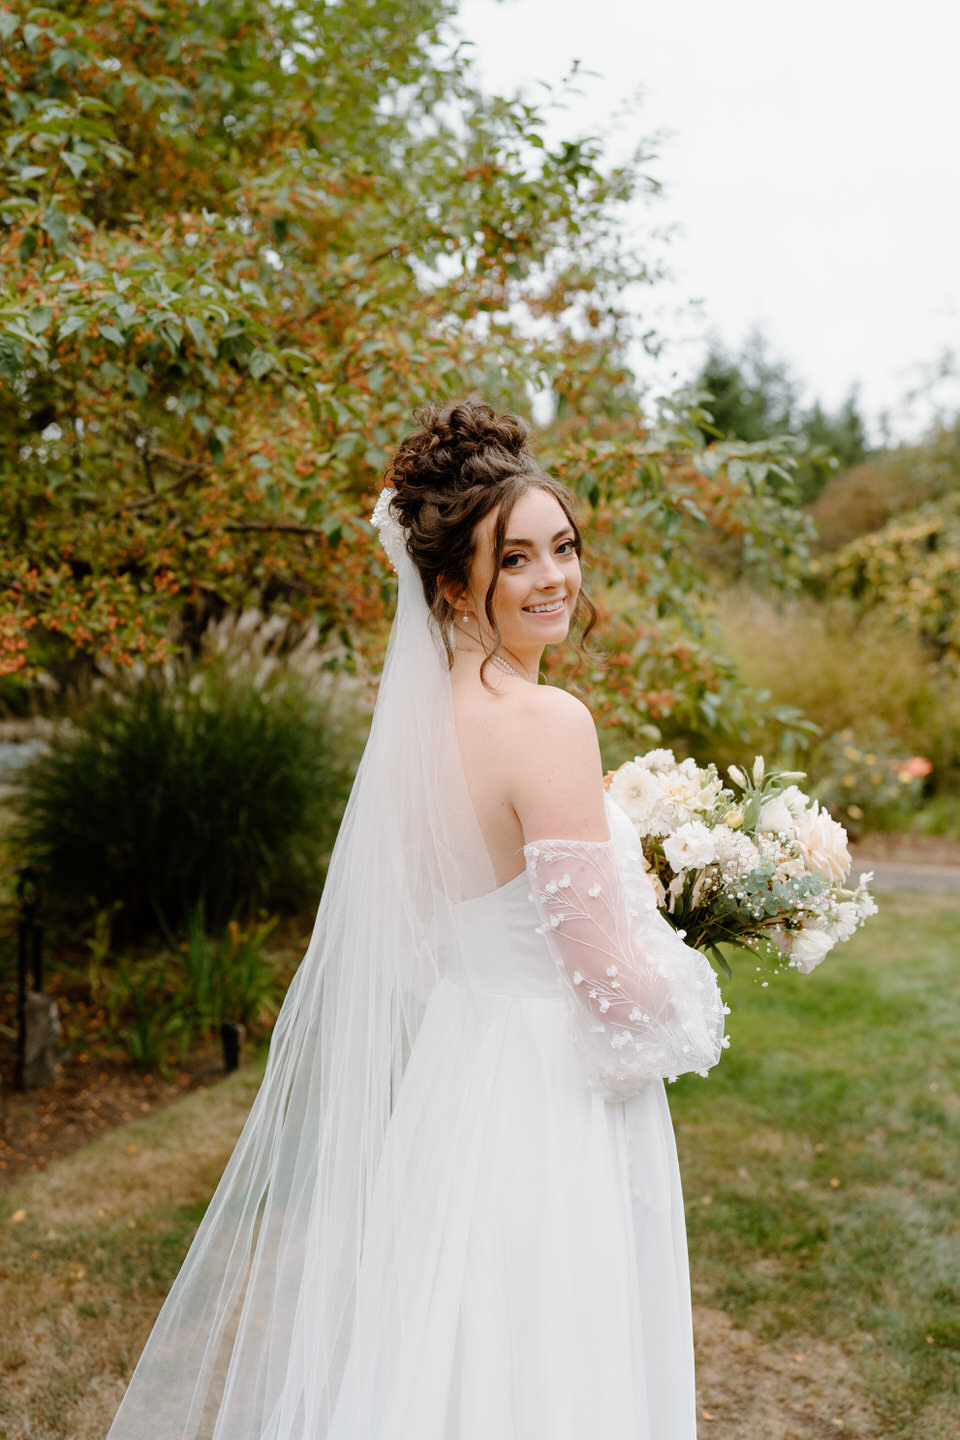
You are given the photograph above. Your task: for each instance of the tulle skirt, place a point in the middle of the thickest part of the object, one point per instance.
(524, 1270)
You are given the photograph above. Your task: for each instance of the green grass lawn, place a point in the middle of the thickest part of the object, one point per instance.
(821, 1160)
(89, 1249)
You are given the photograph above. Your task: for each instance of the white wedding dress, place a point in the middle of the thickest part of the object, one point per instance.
(454, 1212)
(537, 1288)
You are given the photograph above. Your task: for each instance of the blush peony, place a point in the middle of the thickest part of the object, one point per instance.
(823, 844)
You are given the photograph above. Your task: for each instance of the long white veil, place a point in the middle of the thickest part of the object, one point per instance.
(252, 1341)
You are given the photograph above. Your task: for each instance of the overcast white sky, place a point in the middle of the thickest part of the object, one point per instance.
(812, 167)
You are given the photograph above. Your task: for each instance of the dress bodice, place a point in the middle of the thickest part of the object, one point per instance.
(499, 948)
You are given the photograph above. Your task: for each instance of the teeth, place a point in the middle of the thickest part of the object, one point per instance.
(543, 609)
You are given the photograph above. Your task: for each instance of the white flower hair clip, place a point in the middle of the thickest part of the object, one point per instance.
(392, 535)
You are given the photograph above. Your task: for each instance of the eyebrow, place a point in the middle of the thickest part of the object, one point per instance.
(567, 530)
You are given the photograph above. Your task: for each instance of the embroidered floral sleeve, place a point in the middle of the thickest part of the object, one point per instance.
(644, 1004)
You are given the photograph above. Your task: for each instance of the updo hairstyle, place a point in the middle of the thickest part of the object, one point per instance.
(464, 461)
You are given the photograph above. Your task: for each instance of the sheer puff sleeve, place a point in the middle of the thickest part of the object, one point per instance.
(644, 1005)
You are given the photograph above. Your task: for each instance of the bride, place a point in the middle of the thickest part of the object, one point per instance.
(454, 1212)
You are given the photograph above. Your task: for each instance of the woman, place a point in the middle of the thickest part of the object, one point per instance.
(454, 1212)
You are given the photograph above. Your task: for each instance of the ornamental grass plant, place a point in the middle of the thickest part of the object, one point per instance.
(186, 788)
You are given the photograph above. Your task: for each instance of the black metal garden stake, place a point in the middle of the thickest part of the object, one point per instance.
(231, 1039)
(29, 956)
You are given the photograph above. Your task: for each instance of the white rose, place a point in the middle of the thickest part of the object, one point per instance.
(781, 813)
(690, 847)
(656, 760)
(823, 844)
(775, 817)
(809, 947)
(795, 801)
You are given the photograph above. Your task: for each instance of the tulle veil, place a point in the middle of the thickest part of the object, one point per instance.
(253, 1338)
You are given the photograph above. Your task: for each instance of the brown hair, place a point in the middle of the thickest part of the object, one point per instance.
(464, 461)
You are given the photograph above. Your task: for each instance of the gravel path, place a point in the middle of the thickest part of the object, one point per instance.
(901, 875)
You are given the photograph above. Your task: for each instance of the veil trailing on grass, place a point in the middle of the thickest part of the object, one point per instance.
(253, 1339)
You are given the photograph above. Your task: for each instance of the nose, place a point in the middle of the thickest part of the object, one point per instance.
(549, 573)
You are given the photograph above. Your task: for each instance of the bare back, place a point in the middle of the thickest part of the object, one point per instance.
(531, 761)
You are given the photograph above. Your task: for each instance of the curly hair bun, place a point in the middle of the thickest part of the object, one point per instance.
(457, 447)
(464, 462)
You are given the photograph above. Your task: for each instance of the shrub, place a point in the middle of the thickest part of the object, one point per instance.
(909, 569)
(233, 978)
(846, 671)
(189, 788)
(867, 780)
(865, 497)
(160, 1007)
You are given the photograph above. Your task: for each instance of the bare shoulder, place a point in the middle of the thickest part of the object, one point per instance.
(556, 771)
(548, 721)
(559, 706)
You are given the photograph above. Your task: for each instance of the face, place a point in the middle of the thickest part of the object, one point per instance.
(539, 578)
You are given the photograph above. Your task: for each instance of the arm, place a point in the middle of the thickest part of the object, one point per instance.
(644, 1005)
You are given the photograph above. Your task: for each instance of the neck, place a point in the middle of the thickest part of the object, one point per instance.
(526, 664)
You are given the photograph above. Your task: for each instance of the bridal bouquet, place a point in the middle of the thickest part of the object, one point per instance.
(760, 865)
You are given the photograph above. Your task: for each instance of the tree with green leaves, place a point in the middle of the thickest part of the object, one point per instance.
(240, 242)
(754, 396)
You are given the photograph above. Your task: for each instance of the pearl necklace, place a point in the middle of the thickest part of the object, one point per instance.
(499, 660)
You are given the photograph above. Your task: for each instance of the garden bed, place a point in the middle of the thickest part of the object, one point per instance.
(90, 1096)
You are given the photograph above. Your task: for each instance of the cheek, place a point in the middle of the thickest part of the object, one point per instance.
(509, 591)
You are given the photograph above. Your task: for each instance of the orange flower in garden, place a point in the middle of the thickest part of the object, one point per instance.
(916, 768)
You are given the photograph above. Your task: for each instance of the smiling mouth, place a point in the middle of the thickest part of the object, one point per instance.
(549, 607)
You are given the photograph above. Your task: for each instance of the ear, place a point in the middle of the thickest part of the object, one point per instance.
(454, 594)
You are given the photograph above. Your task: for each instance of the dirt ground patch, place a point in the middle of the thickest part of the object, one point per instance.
(89, 1097)
(748, 1389)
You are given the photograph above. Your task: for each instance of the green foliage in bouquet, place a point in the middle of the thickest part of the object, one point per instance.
(742, 917)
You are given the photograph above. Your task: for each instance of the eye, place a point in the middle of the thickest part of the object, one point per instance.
(508, 560)
(567, 547)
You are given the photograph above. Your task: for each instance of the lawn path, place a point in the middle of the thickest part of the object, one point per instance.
(89, 1247)
(835, 1257)
(751, 1390)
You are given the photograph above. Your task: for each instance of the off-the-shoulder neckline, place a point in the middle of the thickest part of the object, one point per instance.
(539, 844)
